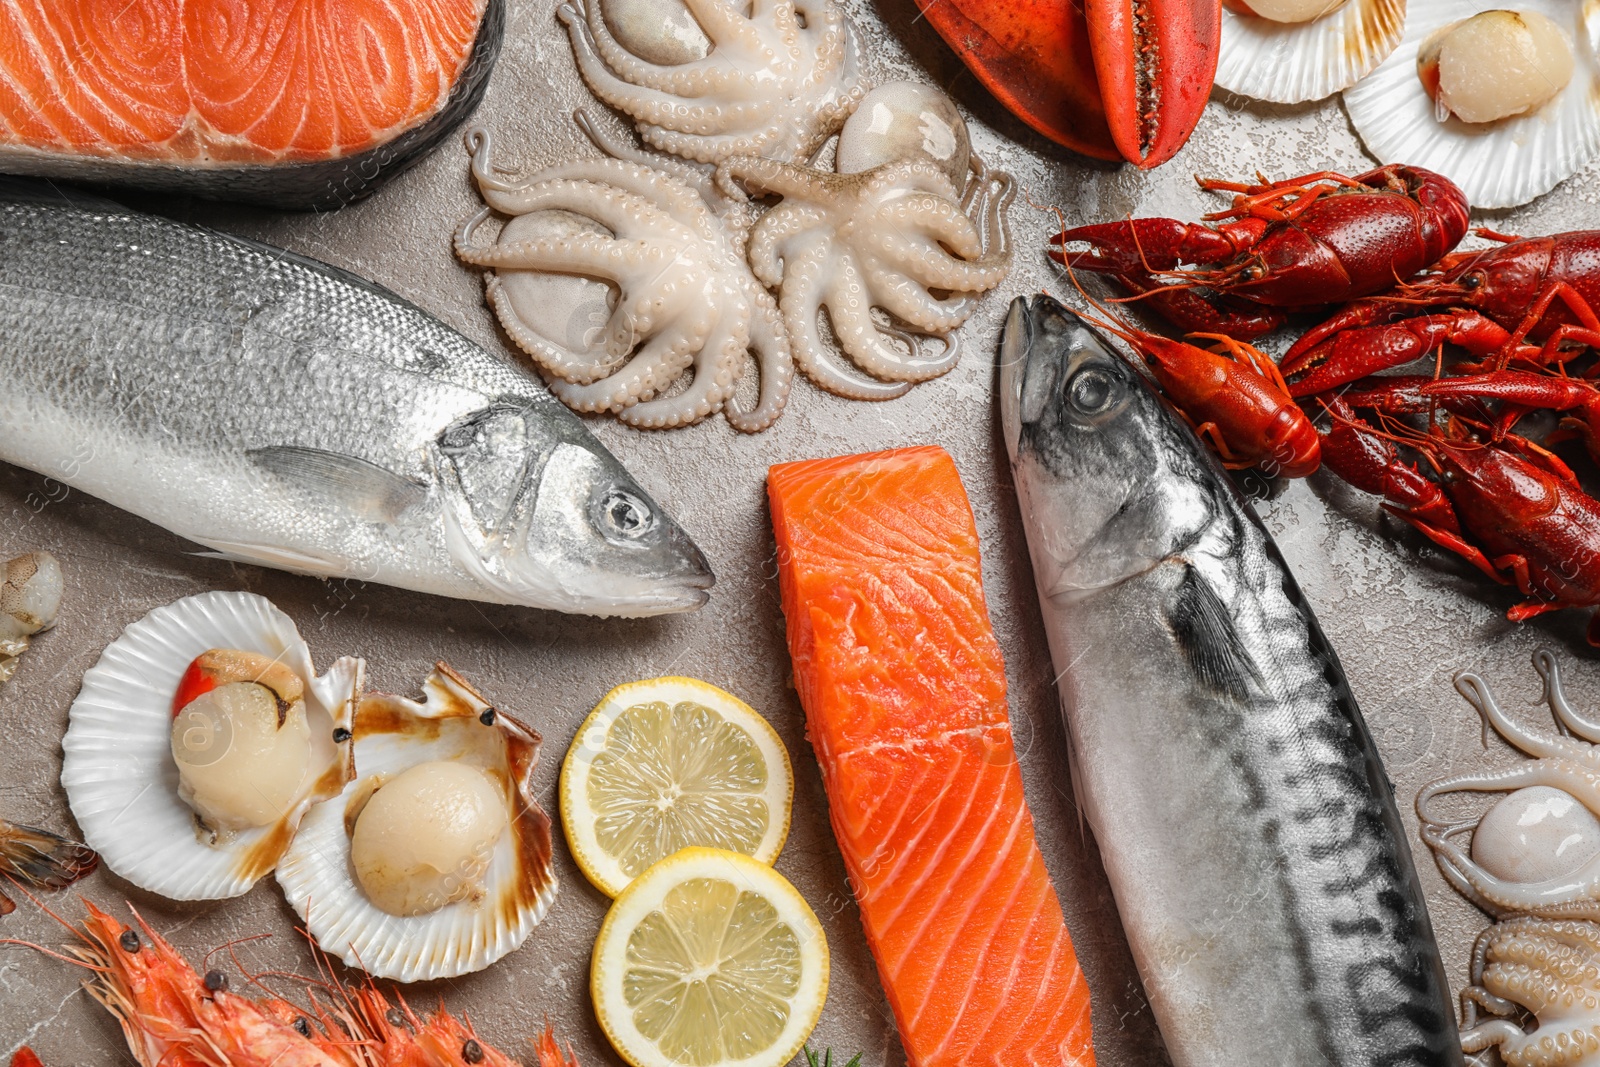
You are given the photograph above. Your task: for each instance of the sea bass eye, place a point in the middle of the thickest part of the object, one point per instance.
(1093, 392)
(624, 516)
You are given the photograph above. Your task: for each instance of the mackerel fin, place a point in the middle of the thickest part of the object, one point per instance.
(371, 491)
(1209, 639)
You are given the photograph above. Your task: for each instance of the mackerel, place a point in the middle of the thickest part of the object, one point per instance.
(284, 412)
(1248, 830)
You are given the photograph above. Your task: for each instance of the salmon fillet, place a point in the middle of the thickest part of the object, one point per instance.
(904, 690)
(226, 80)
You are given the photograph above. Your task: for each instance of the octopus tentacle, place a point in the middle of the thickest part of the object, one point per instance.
(800, 301)
(1493, 1032)
(775, 229)
(925, 261)
(640, 100)
(465, 241)
(1477, 693)
(707, 148)
(579, 253)
(697, 177)
(850, 308)
(775, 176)
(699, 78)
(716, 371)
(479, 148)
(1544, 661)
(566, 364)
(633, 195)
(774, 362)
(937, 218)
(996, 227)
(914, 305)
(728, 28)
(654, 367)
(627, 214)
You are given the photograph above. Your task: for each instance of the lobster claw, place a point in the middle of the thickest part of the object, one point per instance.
(1155, 61)
(1034, 56)
(1113, 79)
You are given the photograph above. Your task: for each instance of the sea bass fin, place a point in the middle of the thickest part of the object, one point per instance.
(274, 556)
(1209, 639)
(373, 492)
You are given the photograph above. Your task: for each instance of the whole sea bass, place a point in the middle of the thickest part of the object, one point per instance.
(283, 412)
(1248, 830)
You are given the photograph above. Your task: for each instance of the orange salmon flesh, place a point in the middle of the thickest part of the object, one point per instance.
(904, 691)
(240, 81)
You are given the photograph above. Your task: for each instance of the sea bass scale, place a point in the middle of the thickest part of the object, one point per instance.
(1248, 830)
(285, 412)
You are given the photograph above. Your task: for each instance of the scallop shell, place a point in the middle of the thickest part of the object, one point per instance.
(1499, 164)
(119, 774)
(1294, 63)
(392, 734)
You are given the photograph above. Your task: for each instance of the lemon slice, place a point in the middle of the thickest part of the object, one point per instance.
(667, 763)
(709, 959)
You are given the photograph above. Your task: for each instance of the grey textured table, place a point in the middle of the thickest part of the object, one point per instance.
(1403, 618)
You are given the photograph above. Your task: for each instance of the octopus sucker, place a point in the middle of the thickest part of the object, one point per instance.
(774, 362)
(1545, 968)
(882, 238)
(619, 280)
(766, 84)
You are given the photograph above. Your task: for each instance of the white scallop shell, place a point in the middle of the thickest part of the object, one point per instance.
(119, 774)
(1292, 63)
(1497, 164)
(393, 734)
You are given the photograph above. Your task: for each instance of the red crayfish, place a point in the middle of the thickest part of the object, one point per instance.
(1512, 509)
(1292, 245)
(1526, 300)
(1231, 394)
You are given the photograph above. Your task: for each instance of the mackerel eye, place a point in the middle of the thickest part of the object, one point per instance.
(624, 516)
(1093, 392)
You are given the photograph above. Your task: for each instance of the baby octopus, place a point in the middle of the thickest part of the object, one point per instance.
(898, 235)
(1549, 969)
(705, 80)
(616, 278)
(1536, 851)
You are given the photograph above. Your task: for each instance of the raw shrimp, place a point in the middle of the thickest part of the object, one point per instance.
(174, 1017)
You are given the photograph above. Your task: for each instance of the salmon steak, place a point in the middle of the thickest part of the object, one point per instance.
(289, 103)
(904, 691)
